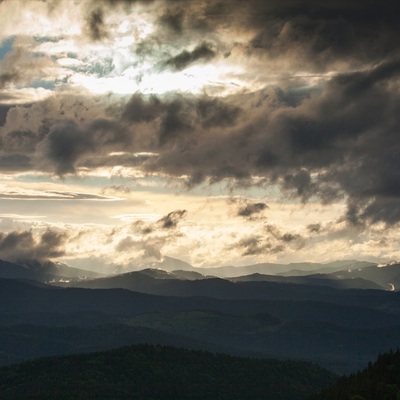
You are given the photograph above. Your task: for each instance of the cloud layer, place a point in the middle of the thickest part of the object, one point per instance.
(299, 96)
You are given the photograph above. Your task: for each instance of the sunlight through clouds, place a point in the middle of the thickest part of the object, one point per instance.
(213, 132)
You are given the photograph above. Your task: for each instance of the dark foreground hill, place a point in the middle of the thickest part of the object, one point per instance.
(155, 372)
(380, 380)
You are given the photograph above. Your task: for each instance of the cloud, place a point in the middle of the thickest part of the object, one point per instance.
(24, 246)
(20, 194)
(256, 245)
(214, 113)
(171, 220)
(317, 115)
(177, 118)
(201, 53)
(124, 189)
(146, 241)
(204, 111)
(173, 19)
(7, 77)
(308, 34)
(67, 143)
(96, 25)
(271, 241)
(142, 228)
(314, 228)
(248, 209)
(338, 143)
(144, 250)
(22, 66)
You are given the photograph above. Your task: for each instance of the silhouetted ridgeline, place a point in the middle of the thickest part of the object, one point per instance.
(155, 372)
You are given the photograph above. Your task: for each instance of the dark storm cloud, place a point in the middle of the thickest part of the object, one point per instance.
(201, 53)
(317, 33)
(63, 146)
(340, 142)
(171, 220)
(96, 25)
(15, 162)
(173, 19)
(336, 139)
(173, 116)
(24, 246)
(141, 109)
(249, 209)
(213, 112)
(310, 34)
(179, 118)
(67, 142)
(62, 133)
(18, 141)
(300, 182)
(204, 111)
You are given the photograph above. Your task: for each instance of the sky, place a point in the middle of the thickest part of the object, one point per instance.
(218, 132)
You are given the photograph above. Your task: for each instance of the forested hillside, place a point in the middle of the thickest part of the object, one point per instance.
(155, 372)
(380, 380)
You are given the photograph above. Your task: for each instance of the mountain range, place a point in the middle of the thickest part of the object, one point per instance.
(341, 319)
(338, 274)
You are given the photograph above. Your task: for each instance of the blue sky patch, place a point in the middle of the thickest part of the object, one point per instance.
(6, 46)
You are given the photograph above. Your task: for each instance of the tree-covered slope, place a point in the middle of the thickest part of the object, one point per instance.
(155, 372)
(341, 330)
(380, 380)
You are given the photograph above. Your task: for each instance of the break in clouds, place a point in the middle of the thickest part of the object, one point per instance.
(299, 95)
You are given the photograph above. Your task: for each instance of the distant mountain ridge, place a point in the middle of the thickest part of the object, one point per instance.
(170, 264)
(314, 279)
(48, 271)
(287, 269)
(43, 271)
(189, 283)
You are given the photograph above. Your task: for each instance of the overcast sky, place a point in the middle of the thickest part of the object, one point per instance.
(214, 131)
